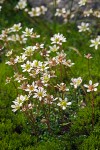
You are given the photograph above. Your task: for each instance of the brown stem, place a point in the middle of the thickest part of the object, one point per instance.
(61, 72)
(31, 120)
(83, 90)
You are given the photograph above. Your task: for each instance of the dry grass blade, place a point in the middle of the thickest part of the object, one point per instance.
(76, 50)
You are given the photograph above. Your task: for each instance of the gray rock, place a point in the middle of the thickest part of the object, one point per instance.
(68, 4)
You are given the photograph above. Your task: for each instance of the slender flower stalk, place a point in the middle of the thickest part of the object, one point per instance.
(88, 56)
(92, 104)
(92, 88)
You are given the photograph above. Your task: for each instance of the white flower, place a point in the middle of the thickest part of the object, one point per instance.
(45, 78)
(19, 77)
(9, 53)
(61, 57)
(21, 4)
(29, 50)
(62, 87)
(88, 13)
(19, 102)
(96, 14)
(68, 63)
(91, 87)
(60, 12)
(58, 39)
(39, 46)
(12, 38)
(16, 106)
(76, 82)
(43, 9)
(22, 39)
(12, 61)
(63, 103)
(34, 12)
(95, 43)
(84, 27)
(4, 35)
(40, 93)
(15, 27)
(88, 56)
(28, 32)
(36, 63)
(20, 59)
(16, 37)
(37, 11)
(34, 73)
(43, 67)
(21, 98)
(54, 48)
(52, 62)
(82, 2)
(31, 88)
(27, 67)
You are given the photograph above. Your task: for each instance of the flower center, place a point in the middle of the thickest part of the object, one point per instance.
(91, 87)
(63, 103)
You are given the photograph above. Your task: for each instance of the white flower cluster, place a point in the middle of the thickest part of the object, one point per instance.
(37, 11)
(11, 34)
(85, 27)
(58, 39)
(66, 14)
(87, 13)
(92, 12)
(41, 73)
(35, 77)
(18, 103)
(21, 4)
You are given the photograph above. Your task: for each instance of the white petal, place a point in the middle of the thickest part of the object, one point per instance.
(66, 99)
(12, 106)
(69, 103)
(96, 47)
(85, 85)
(63, 107)
(58, 104)
(88, 90)
(60, 99)
(96, 84)
(95, 89)
(90, 82)
(14, 110)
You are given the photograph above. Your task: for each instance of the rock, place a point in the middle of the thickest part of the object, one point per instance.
(68, 4)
